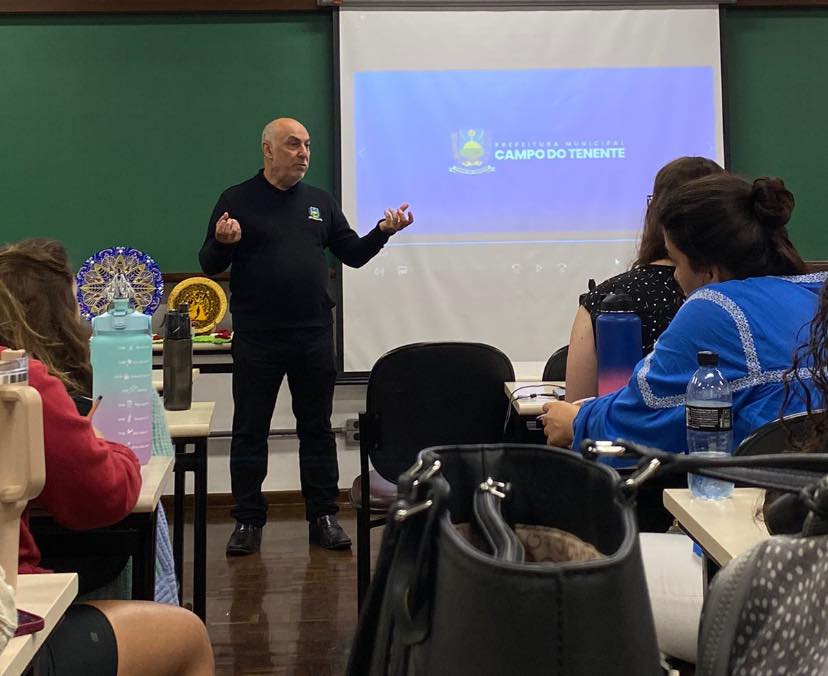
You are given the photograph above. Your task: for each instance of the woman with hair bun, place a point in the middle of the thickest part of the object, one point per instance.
(649, 282)
(748, 299)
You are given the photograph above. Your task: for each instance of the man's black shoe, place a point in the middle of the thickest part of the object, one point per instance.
(328, 534)
(246, 539)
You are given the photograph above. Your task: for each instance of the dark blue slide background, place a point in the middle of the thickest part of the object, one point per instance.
(405, 151)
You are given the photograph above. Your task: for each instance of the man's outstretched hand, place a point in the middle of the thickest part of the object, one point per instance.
(396, 219)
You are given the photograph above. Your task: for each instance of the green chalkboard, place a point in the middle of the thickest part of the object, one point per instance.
(777, 68)
(125, 130)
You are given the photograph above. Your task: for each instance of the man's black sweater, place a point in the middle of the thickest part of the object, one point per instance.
(279, 277)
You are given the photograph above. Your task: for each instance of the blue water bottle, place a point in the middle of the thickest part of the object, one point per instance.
(709, 419)
(617, 341)
(121, 352)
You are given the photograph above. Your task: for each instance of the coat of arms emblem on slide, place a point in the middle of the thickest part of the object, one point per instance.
(472, 149)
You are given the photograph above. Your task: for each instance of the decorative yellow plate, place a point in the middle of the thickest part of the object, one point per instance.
(208, 302)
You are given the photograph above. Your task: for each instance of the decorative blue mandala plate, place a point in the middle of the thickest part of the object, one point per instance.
(131, 270)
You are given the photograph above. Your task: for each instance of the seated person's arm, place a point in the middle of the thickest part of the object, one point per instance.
(650, 408)
(581, 362)
(90, 482)
(558, 418)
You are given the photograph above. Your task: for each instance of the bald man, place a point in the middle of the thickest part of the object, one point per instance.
(273, 229)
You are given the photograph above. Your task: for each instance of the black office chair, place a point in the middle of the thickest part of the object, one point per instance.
(418, 396)
(782, 434)
(555, 368)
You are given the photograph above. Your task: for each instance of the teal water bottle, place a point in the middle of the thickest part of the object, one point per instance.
(121, 351)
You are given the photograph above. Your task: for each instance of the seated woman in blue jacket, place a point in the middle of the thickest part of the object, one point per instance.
(748, 299)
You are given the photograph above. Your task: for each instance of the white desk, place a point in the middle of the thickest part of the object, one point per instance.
(48, 596)
(155, 476)
(723, 528)
(194, 422)
(134, 535)
(158, 378)
(524, 403)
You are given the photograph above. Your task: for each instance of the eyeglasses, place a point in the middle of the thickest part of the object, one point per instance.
(649, 200)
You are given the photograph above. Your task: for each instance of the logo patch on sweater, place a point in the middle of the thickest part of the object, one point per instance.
(313, 214)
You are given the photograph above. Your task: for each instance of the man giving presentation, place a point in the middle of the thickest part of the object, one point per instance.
(273, 230)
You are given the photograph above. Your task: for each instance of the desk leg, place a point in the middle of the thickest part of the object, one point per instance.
(200, 531)
(143, 562)
(178, 521)
(709, 565)
(709, 570)
(195, 462)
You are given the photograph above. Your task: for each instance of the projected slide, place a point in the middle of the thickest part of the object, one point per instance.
(506, 155)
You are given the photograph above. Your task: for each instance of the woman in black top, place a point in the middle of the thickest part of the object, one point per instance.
(656, 294)
(649, 282)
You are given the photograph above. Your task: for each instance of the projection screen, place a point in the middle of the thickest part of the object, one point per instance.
(526, 143)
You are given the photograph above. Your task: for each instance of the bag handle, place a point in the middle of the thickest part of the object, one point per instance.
(787, 472)
(803, 475)
(393, 611)
(502, 540)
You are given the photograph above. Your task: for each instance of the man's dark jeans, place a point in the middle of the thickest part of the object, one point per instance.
(260, 362)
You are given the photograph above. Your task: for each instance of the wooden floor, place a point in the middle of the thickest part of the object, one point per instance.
(290, 610)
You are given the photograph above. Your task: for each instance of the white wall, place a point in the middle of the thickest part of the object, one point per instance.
(283, 461)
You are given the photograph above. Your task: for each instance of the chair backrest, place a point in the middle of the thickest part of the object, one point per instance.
(776, 437)
(22, 464)
(555, 368)
(429, 394)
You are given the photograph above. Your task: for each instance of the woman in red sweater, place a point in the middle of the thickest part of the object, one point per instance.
(90, 483)
(39, 268)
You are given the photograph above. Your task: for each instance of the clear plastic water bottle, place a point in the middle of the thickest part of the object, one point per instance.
(617, 341)
(709, 418)
(121, 355)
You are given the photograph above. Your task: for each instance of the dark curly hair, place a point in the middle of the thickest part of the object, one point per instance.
(724, 220)
(810, 362)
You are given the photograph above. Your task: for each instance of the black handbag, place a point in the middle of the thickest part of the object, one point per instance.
(508, 559)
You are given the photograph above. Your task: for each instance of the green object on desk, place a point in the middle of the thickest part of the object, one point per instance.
(211, 339)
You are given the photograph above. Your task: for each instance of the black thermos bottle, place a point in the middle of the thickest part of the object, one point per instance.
(178, 360)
